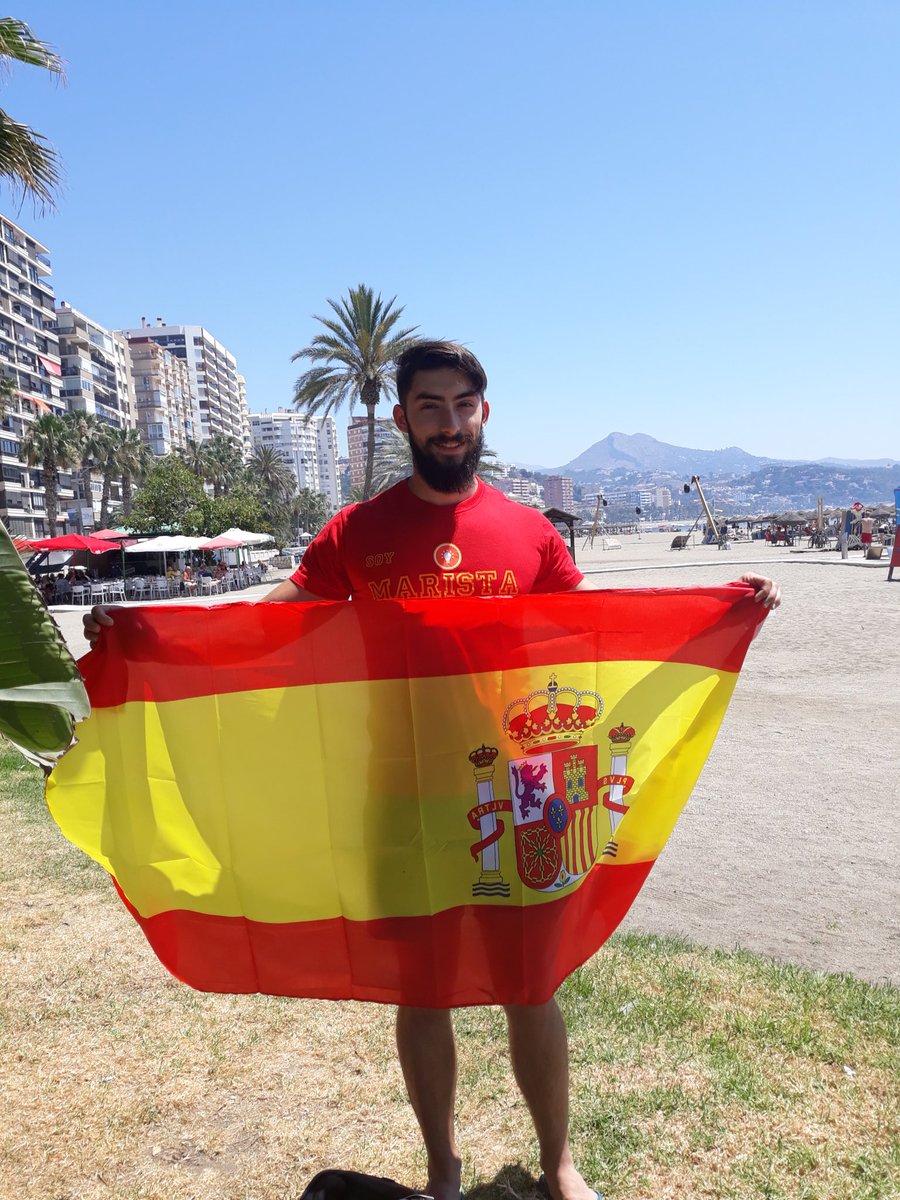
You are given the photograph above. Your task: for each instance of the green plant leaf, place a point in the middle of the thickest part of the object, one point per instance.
(41, 692)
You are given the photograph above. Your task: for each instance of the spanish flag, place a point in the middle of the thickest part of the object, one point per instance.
(421, 802)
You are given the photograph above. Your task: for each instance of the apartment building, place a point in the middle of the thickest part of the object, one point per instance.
(308, 446)
(29, 359)
(526, 491)
(164, 402)
(218, 397)
(96, 376)
(558, 492)
(357, 443)
(246, 439)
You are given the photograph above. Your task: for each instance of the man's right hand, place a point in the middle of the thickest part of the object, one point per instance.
(94, 623)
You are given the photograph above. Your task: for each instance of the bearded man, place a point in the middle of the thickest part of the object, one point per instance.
(443, 532)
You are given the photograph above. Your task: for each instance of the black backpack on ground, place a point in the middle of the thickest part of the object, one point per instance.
(351, 1185)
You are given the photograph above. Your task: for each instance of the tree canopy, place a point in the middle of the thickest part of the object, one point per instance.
(353, 360)
(171, 500)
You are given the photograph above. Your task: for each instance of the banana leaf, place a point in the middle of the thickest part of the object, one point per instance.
(41, 692)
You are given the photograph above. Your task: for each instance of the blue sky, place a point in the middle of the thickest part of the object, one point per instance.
(668, 217)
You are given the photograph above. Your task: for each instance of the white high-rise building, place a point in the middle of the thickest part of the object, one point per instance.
(164, 403)
(220, 405)
(95, 368)
(358, 441)
(29, 359)
(308, 446)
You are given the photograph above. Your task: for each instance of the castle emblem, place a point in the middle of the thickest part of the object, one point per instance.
(554, 791)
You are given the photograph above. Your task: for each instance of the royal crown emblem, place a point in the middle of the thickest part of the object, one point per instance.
(553, 717)
(555, 794)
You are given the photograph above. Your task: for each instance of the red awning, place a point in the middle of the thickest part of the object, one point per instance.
(52, 367)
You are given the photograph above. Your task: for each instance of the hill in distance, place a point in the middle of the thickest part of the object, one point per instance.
(640, 452)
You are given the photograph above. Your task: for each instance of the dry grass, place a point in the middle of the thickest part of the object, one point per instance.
(695, 1073)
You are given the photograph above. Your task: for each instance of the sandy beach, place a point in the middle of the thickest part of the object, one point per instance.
(789, 844)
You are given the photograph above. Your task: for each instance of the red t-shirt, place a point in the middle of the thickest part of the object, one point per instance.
(398, 547)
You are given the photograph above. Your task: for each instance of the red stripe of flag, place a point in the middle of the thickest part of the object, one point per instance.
(466, 955)
(178, 652)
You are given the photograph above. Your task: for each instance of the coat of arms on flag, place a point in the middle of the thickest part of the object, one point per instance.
(554, 791)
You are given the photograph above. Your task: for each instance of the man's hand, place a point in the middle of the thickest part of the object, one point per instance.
(768, 592)
(94, 622)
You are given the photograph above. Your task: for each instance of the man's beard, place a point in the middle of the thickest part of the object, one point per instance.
(447, 476)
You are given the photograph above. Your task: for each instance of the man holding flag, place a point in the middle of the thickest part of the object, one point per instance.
(444, 533)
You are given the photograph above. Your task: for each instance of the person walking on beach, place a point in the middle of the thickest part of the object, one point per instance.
(444, 532)
(867, 524)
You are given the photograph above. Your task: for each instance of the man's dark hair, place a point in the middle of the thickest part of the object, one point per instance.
(432, 356)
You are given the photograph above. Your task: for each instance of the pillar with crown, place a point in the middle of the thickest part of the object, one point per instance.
(618, 780)
(483, 817)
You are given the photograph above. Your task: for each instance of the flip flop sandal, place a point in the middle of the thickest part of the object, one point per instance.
(545, 1190)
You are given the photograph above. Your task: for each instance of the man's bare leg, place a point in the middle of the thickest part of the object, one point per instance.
(427, 1052)
(539, 1051)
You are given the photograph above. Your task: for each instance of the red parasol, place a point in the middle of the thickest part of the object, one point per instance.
(220, 543)
(111, 535)
(72, 541)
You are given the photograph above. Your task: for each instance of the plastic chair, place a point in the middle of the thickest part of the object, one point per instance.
(80, 593)
(159, 588)
(138, 587)
(115, 590)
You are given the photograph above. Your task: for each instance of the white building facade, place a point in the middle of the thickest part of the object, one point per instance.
(217, 392)
(96, 376)
(358, 441)
(29, 360)
(163, 398)
(307, 445)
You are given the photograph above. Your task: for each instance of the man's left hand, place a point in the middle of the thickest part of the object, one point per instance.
(768, 592)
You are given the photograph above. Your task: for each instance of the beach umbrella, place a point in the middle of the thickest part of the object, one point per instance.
(244, 538)
(72, 541)
(221, 543)
(166, 543)
(111, 535)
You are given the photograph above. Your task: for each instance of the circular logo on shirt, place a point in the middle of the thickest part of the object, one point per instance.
(447, 556)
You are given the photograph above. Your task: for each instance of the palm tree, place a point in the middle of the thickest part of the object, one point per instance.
(88, 437)
(193, 455)
(223, 463)
(270, 471)
(134, 459)
(310, 510)
(25, 156)
(393, 461)
(48, 444)
(108, 460)
(354, 361)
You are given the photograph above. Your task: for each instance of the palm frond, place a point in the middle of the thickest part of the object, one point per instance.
(18, 44)
(28, 161)
(41, 693)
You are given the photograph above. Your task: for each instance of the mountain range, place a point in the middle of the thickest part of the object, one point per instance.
(638, 452)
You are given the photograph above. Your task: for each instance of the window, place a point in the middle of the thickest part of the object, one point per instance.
(8, 446)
